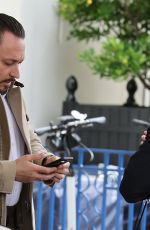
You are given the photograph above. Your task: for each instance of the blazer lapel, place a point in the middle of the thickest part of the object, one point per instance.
(15, 101)
(5, 142)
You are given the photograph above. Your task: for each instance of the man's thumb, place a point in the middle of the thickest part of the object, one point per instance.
(35, 156)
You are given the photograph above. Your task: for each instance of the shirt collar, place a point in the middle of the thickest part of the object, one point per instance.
(3, 95)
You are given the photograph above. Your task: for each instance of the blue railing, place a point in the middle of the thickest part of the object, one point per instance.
(99, 205)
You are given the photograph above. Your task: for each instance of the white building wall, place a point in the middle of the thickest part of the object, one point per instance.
(50, 59)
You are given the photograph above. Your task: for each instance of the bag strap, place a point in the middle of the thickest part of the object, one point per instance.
(140, 214)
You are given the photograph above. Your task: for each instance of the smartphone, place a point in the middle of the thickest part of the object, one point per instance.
(59, 161)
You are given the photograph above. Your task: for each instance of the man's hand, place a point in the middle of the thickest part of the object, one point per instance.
(62, 170)
(27, 171)
(143, 137)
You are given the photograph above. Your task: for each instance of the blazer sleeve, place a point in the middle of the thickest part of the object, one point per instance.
(36, 145)
(7, 177)
(34, 141)
(135, 184)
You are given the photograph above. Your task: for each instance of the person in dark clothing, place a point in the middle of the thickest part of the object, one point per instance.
(135, 184)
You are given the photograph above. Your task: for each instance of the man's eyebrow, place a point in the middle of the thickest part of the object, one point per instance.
(14, 60)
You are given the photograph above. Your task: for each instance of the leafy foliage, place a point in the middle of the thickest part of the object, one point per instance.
(125, 25)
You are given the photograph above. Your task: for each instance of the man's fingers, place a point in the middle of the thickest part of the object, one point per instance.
(145, 132)
(43, 177)
(28, 171)
(50, 159)
(45, 170)
(143, 137)
(58, 177)
(34, 157)
(63, 166)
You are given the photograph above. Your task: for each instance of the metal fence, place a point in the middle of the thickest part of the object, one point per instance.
(99, 205)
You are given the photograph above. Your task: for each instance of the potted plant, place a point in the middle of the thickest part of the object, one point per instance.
(122, 27)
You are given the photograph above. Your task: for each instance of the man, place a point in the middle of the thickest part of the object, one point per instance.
(21, 152)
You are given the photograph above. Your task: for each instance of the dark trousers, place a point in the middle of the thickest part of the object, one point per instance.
(19, 216)
(11, 221)
(16, 221)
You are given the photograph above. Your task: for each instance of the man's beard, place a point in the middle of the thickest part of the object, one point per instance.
(4, 91)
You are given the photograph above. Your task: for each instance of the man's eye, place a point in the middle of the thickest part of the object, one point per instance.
(8, 63)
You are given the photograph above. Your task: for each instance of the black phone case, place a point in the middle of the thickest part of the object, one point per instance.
(56, 163)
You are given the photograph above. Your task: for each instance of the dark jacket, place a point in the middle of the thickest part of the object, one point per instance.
(135, 184)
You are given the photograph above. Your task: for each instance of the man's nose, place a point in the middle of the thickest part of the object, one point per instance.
(15, 72)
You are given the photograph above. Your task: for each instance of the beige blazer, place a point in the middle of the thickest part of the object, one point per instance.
(8, 168)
